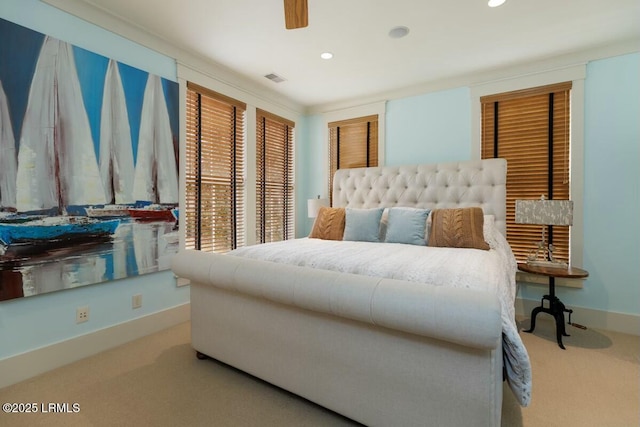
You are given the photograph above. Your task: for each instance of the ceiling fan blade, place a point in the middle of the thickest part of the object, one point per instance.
(296, 14)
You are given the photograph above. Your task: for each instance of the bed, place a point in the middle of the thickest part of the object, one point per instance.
(385, 333)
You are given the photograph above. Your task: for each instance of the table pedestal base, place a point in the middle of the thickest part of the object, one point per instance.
(556, 309)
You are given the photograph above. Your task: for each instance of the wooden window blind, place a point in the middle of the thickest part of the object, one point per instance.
(353, 143)
(214, 209)
(531, 130)
(274, 178)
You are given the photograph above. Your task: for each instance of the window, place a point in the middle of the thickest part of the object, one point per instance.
(274, 178)
(531, 129)
(353, 143)
(214, 209)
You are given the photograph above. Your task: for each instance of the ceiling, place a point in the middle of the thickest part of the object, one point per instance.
(447, 39)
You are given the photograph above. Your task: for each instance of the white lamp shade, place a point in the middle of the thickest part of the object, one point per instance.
(545, 212)
(314, 205)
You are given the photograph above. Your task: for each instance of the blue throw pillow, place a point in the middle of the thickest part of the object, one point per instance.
(362, 224)
(407, 225)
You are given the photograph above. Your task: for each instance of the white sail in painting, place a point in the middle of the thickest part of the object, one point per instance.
(57, 163)
(8, 166)
(116, 152)
(156, 174)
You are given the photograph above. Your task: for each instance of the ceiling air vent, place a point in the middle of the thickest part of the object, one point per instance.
(275, 78)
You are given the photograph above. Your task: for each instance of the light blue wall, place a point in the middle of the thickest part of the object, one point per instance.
(433, 127)
(34, 322)
(436, 127)
(311, 162)
(612, 185)
(48, 20)
(611, 192)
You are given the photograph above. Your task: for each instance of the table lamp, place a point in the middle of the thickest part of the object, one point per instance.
(314, 205)
(544, 212)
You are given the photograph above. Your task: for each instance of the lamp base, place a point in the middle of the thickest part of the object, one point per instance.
(548, 264)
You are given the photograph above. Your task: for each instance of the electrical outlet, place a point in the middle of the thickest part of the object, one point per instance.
(136, 301)
(82, 314)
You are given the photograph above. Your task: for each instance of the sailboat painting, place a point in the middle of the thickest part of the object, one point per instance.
(88, 166)
(116, 152)
(57, 164)
(8, 160)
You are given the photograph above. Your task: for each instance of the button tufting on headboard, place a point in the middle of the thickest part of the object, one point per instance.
(441, 185)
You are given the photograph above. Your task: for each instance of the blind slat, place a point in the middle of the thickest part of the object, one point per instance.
(214, 209)
(523, 129)
(274, 178)
(353, 143)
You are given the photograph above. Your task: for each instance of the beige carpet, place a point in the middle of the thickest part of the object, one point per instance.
(158, 381)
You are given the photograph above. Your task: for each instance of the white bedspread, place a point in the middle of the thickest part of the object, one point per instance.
(492, 270)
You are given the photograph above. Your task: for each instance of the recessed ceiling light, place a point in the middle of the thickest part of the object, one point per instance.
(496, 3)
(398, 32)
(326, 55)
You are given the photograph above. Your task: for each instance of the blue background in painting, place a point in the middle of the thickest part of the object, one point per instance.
(19, 50)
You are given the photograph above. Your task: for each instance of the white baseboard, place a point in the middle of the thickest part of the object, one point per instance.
(596, 319)
(26, 365)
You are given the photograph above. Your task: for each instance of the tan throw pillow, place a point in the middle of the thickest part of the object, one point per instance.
(458, 228)
(329, 224)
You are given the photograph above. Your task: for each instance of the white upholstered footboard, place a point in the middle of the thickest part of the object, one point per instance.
(380, 351)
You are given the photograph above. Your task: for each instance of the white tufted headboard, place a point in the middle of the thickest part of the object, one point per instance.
(439, 185)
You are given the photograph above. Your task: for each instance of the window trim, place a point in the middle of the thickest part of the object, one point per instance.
(378, 108)
(239, 232)
(187, 73)
(289, 154)
(576, 74)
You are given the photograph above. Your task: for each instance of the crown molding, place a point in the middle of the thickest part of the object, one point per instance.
(88, 11)
(541, 65)
(129, 30)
